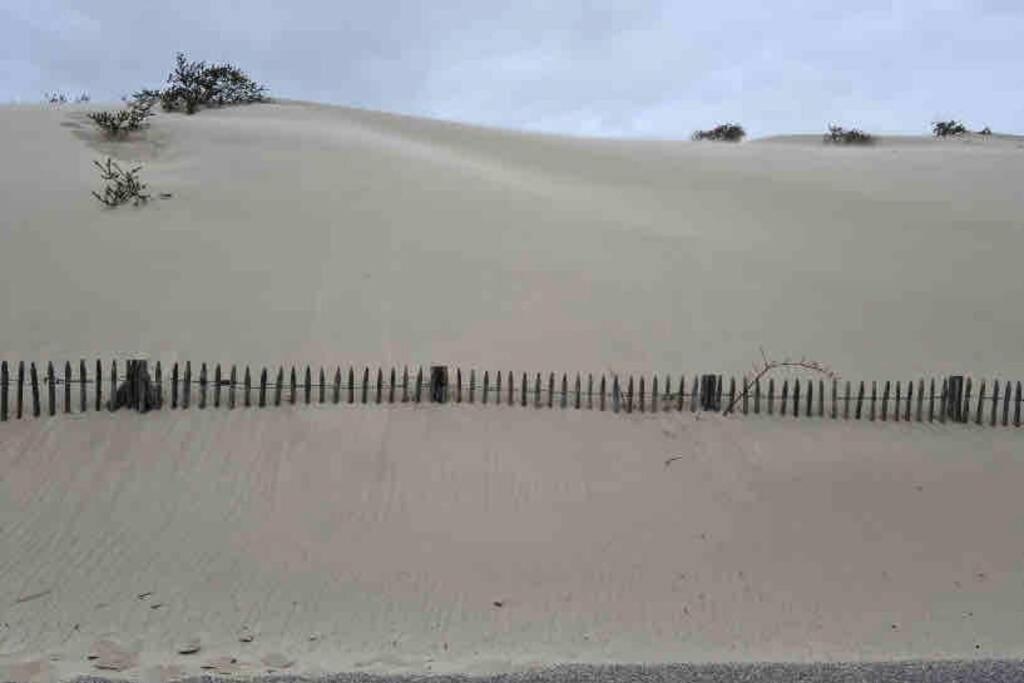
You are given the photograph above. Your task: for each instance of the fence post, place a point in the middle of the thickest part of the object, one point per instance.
(579, 397)
(757, 396)
(771, 395)
(885, 402)
(4, 381)
(995, 403)
(846, 401)
(34, 378)
(279, 386)
(366, 384)
(708, 392)
(113, 382)
(796, 398)
(785, 396)
(981, 403)
(899, 400)
(159, 381)
(232, 383)
(601, 399)
(1016, 407)
(641, 396)
(99, 385)
(352, 385)
(419, 383)
(438, 384)
(536, 391)
(860, 399)
(293, 388)
(681, 398)
(835, 386)
(405, 384)
(174, 385)
(322, 391)
(391, 386)
(186, 388)
(965, 408)
(510, 388)
(307, 386)
(943, 400)
(472, 386)
(51, 381)
(874, 398)
(379, 388)
(336, 397)
(202, 386)
(615, 394)
(216, 386)
(67, 386)
(247, 388)
(1006, 404)
(629, 396)
(262, 400)
(487, 387)
(458, 385)
(19, 402)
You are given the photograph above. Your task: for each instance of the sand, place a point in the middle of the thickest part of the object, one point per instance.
(480, 540)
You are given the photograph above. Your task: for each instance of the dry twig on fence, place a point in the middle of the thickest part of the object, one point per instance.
(767, 365)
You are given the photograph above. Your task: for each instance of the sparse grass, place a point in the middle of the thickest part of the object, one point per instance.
(726, 132)
(942, 129)
(58, 97)
(838, 135)
(122, 186)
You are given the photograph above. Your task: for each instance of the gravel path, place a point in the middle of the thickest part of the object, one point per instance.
(975, 671)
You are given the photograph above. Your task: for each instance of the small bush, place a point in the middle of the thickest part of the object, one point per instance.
(985, 131)
(727, 132)
(838, 135)
(118, 123)
(58, 97)
(195, 84)
(122, 186)
(942, 129)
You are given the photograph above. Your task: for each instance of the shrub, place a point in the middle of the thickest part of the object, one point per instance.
(122, 186)
(985, 131)
(117, 123)
(195, 84)
(840, 136)
(726, 132)
(58, 97)
(943, 129)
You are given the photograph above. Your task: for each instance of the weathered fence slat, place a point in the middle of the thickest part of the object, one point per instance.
(247, 388)
(472, 386)
(551, 390)
(158, 379)
(366, 384)
(693, 394)
(746, 395)
(261, 400)
(899, 401)
(1016, 408)
(785, 396)
(67, 386)
(4, 382)
(666, 401)
(99, 386)
(321, 393)
(307, 386)
(578, 404)
(232, 386)
(860, 399)
(846, 400)
(380, 382)
(51, 381)
(391, 386)
(186, 385)
(640, 395)
(510, 389)
(279, 386)
(458, 385)
(835, 386)
(885, 402)
(419, 384)
(757, 396)
(522, 391)
(497, 388)
(34, 378)
(216, 386)
(654, 394)
(732, 392)
(682, 393)
(352, 385)
(336, 397)
(601, 398)
(821, 398)
(629, 396)
(796, 398)
(1006, 405)
(771, 395)
(981, 402)
(564, 398)
(487, 387)
(405, 384)
(874, 398)
(202, 386)
(808, 410)
(965, 410)
(293, 387)
(174, 385)
(615, 394)
(995, 403)
(931, 400)
(20, 393)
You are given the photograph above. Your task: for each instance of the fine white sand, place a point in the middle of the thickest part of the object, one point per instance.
(380, 539)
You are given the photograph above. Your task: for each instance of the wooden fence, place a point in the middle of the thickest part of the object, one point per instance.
(26, 390)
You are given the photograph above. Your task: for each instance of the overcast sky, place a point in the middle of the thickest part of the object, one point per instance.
(632, 68)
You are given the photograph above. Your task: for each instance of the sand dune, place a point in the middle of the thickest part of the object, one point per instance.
(416, 539)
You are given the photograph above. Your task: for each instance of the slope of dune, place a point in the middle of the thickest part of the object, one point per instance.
(308, 233)
(469, 538)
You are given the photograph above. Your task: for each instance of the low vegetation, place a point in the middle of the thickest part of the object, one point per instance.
(197, 84)
(985, 131)
(837, 135)
(726, 132)
(942, 129)
(58, 97)
(122, 186)
(119, 123)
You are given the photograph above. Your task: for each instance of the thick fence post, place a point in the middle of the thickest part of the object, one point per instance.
(943, 401)
(522, 391)
(874, 398)
(536, 391)
(336, 392)
(458, 385)
(1016, 408)
(835, 387)
(931, 400)
(20, 393)
(885, 402)
(391, 387)
(846, 400)
(405, 384)
(51, 381)
(352, 385)
(113, 382)
(981, 403)
(99, 385)
(757, 396)
(293, 393)
(34, 378)
(746, 394)
(899, 400)
(654, 394)
(641, 397)
(472, 386)
(159, 381)
(965, 407)
(860, 399)
(565, 392)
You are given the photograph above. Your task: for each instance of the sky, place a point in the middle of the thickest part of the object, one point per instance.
(635, 68)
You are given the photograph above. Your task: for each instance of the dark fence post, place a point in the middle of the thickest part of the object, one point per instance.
(34, 377)
(67, 386)
(846, 401)
(186, 389)
(510, 389)
(899, 399)
(874, 398)
(604, 391)
(279, 386)
(931, 400)
(785, 396)
(487, 386)
(159, 381)
(472, 386)
(307, 386)
(654, 394)
(954, 397)
(796, 398)
(391, 387)
(379, 387)
(835, 387)
(366, 384)
(771, 395)
(233, 382)
(708, 392)
(458, 385)
(1006, 405)
(615, 394)
(943, 400)
(629, 396)
(336, 397)
(885, 402)
(438, 384)
(202, 386)
(981, 403)
(217, 381)
(1016, 407)
(757, 396)
(352, 385)
(579, 404)
(247, 388)
(641, 394)
(99, 385)
(20, 394)
(113, 382)
(174, 385)
(419, 383)
(965, 408)
(293, 393)
(322, 391)
(920, 399)
(860, 399)
(995, 403)
(51, 381)
(262, 400)
(694, 392)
